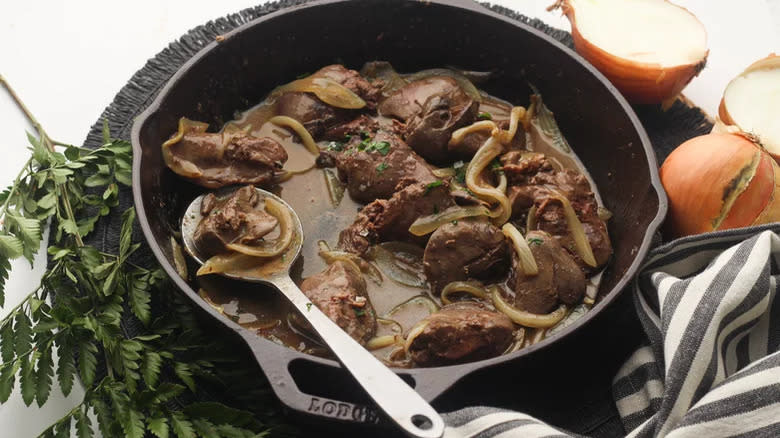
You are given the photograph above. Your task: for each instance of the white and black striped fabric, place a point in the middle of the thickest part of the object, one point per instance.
(711, 368)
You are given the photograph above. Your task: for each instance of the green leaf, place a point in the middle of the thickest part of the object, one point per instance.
(218, 413)
(98, 180)
(63, 427)
(72, 153)
(29, 229)
(39, 152)
(109, 284)
(204, 428)
(5, 268)
(23, 336)
(83, 425)
(7, 379)
(167, 391)
(27, 380)
(11, 247)
(140, 299)
(182, 370)
(228, 431)
(43, 378)
(69, 226)
(124, 177)
(181, 426)
(133, 424)
(7, 342)
(151, 368)
(126, 232)
(101, 271)
(48, 201)
(158, 426)
(87, 362)
(66, 365)
(106, 419)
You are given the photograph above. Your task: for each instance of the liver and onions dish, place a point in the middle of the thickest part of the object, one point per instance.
(442, 225)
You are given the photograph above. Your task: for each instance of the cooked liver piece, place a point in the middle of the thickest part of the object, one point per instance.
(461, 332)
(340, 292)
(464, 249)
(390, 219)
(560, 279)
(236, 218)
(243, 160)
(432, 108)
(531, 177)
(316, 116)
(377, 166)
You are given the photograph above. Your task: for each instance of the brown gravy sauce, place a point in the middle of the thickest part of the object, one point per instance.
(267, 312)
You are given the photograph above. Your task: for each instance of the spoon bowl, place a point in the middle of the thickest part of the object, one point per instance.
(402, 404)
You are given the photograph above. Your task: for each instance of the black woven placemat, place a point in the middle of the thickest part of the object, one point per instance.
(666, 129)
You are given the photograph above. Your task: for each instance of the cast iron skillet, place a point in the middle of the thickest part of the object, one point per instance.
(235, 73)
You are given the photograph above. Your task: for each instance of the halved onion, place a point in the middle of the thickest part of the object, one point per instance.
(650, 50)
(752, 103)
(327, 90)
(472, 288)
(720, 181)
(428, 224)
(277, 246)
(524, 255)
(527, 319)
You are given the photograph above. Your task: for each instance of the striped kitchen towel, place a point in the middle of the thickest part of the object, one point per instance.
(712, 364)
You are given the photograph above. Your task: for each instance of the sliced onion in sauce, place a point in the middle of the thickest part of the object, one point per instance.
(383, 341)
(527, 319)
(604, 214)
(444, 172)
(327, 90)
(400, 261)
(360, 265)
(530, 220)
(413, 333)
(427, 302)
(179, 262)
(185, 168)
(428, 224)
(278, 245)
(575, 228)
(396, 326)
(524, 254)
(300, 130)
(335, 187)
(472, 288)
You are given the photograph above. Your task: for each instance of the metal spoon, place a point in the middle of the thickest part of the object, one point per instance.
(394, 396)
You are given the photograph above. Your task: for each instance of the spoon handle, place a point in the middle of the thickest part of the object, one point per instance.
(394, 396)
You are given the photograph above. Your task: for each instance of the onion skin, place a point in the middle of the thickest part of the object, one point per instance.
(640, 83)
(702, 173)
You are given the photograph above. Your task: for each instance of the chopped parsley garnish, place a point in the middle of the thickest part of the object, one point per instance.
(455, 222)
(359, 312)
(381, 168)
(484, 116)
(535, 241)
(433, 185)
(366, 143)
(460, 171)
(308, 306)
(336, 146)
(382, 147)
(347, 137)
(496, 166)
(365, 135)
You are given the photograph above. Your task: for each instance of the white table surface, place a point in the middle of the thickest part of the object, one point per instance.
(67, 59)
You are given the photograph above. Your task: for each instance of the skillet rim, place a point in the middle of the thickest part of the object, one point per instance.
(453, 372)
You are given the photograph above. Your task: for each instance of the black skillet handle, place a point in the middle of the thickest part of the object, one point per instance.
(277, 369)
